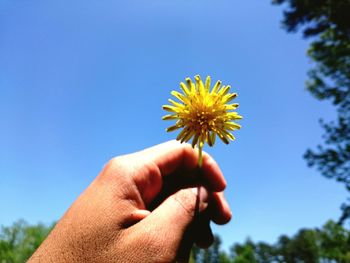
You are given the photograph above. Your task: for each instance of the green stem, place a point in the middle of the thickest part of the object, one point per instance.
(200, 155)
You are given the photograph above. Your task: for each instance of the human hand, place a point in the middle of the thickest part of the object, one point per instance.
(149, 206)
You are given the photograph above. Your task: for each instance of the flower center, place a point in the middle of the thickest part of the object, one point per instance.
(203, 121)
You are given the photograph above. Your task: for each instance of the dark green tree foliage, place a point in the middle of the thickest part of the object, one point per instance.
(329, 244)
(244, 253)
(211, 255)
(335, 243)
(302, 248)
(19, 241)
(265, 253)
(328, 24)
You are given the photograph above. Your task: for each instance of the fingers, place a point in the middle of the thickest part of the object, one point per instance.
(171, 156)
(203, 236)
(219, 209)
(174, 167)
(199, 232)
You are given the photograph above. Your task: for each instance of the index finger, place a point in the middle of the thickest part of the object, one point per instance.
(172, 155)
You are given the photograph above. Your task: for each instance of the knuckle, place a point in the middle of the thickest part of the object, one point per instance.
(114, 168)
(117, 163)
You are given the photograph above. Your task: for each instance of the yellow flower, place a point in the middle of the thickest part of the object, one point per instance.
(203, 113)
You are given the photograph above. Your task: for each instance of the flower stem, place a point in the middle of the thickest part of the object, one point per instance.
(200, 155)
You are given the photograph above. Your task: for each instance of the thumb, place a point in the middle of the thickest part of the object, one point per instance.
(180, 209)
(171, 220)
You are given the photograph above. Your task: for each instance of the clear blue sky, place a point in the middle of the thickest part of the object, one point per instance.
(83, 81)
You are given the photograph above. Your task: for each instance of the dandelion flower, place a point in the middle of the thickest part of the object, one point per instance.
(202, 113)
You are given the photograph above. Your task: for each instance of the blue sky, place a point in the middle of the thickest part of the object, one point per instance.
(83, 81)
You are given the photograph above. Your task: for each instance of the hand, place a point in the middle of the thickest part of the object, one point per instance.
(149, 206)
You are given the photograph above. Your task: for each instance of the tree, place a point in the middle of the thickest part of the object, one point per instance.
(265, 253)
(328, 24)
(244, 253)
(331, 243)
(335, 243)
(213, 254)
(19, 241)
(303, 247)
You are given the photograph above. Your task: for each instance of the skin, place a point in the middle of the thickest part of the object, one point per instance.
(149, 206)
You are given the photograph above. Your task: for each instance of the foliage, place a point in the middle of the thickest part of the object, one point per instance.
(328, 24)
(244, 253)
(331, 243)
(211, 255)
(19, 241)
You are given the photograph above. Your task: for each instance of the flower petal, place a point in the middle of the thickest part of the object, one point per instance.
(232, 106)
(216, 87)
(195, 140)
(232, 126)
(172, 128)
(190, 85)
(184, 89)
(207, 84)
(171, 108)
(228, 97)
(170, 117)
